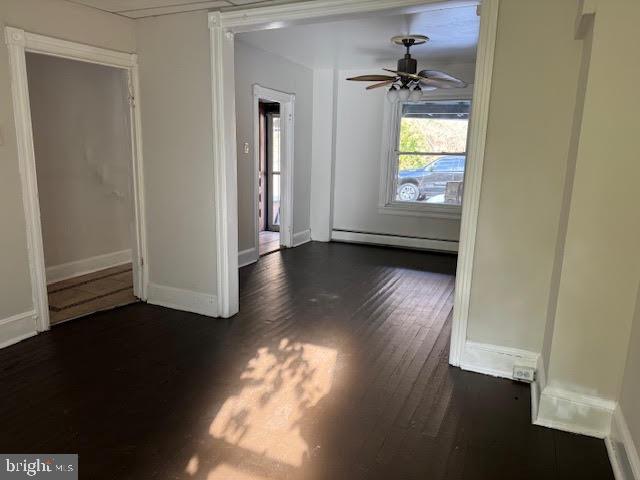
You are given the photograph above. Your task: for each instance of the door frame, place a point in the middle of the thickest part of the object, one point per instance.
(287, 152)
(224, 25)
(19, 42)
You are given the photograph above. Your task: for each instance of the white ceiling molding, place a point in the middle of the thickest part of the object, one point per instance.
(270, 14)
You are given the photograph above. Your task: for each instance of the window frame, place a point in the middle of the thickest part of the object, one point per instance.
(389, 166)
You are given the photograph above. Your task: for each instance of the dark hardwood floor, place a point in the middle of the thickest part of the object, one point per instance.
(335, 368)
(268, 242)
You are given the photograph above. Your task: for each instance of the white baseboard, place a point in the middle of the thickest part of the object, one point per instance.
(17, 327)
(574, 412)
(248, 256)
(57, 273)
(301, 238)
(394, 241)
(623, 452)
(567, 410)
(495, 360)
(186, 300)
(322, 236)
(537, 387)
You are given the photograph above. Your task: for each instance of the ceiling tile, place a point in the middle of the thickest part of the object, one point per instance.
(143, 8)
(190, 7)
(247, 2)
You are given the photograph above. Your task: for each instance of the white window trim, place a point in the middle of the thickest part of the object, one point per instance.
(390, 133)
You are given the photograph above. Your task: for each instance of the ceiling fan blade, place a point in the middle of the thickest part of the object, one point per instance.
(439, 79)
(381, 84)
(371, 78)
(404, 74)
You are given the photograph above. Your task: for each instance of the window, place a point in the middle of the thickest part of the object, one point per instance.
(427, 155)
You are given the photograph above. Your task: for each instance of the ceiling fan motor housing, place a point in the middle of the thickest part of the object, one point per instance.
(408, 64)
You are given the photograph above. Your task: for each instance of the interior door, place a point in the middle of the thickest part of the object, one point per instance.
(262, 168)
(273, 171)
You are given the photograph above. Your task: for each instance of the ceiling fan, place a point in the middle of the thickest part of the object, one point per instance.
(406, 82)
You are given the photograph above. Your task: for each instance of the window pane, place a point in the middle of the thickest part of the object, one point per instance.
(436, 126)
(434, 179)
(275, 142)
(276, 199)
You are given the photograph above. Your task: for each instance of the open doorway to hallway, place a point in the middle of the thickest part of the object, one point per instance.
(81, 128)
(265, 162)
(269, 177)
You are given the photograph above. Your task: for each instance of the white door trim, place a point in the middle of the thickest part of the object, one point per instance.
(473, 177)
(18, 43)
(285, 15)
(287, 108)
(223, 26)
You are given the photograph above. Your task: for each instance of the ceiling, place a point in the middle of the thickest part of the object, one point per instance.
(150, 8)
(359, 43)
(365, 42)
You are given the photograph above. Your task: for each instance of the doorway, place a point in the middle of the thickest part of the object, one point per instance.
(269, 177)
(222, 26)
(127, 266)
(82, 146)
(273, 127)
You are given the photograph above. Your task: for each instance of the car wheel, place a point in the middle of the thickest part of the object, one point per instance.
(408, 192)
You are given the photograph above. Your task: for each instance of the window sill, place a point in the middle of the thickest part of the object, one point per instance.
(448, 212)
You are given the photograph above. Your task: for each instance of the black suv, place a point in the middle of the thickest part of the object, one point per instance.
(423, 183)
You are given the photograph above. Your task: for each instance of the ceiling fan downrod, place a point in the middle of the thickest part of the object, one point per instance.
(407, 64)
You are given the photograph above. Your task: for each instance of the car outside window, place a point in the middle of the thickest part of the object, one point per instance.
(444, 166)
(431, 151)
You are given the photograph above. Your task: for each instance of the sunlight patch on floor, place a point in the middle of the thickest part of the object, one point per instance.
(225, 471)
(280, 388)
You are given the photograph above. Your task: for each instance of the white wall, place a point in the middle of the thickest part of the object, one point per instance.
(359, 118)
(253, 66)
(58, 19)
(565, 207)
(600, 270)
(322, 156)
(175, 84)
(630, 392)
(530, 122)
(80, 118)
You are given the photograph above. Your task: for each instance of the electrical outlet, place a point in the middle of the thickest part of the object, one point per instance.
(524, 373)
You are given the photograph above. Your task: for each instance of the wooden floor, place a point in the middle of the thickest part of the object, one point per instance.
(336, 368)
(269, 242)
(90, 293)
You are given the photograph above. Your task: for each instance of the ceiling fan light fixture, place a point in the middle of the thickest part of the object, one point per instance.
(416, 94)
(406, 76)
(392, 94)
(404, 93)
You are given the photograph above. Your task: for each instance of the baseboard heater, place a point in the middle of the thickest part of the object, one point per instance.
(394, 241)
